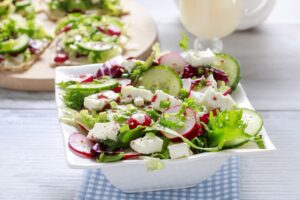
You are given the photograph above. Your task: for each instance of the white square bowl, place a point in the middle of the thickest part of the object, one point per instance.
(131, 175)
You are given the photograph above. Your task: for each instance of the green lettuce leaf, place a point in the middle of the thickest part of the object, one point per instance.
(227, 130)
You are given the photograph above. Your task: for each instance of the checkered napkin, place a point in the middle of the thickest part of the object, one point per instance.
(221, 186)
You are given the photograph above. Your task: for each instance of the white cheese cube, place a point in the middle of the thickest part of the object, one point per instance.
(99, 101)
(128, 65)
(179, 150)
(133, 92)
(212, 82)
(147, 144)
(213, 99)
(139, 101)
(197, 96)
(200, 58)
(104, 131)
(162, 96)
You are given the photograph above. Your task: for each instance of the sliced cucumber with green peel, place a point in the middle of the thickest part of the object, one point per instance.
(254, 121)
(95, 46)
(22, 4)
(230, 66)
(161, 78)
(15, 45)
(97, 87)
(75, 94)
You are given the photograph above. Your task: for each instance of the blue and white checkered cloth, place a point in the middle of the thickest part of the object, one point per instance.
(224, 185)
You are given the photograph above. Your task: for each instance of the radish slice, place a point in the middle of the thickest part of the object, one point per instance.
(84, 78)
(80, 145)
(122, 82)
(227, 92)
(131, 155)
(173, 60)
(187, 84)
(82, 126)
(87, 79)
(190, 126)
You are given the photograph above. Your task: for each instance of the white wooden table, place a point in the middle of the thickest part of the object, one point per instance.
(32, 164)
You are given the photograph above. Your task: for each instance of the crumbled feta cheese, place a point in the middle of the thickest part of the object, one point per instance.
(213, 99)
(126, 100)
(162, 96)
(104, 131)
(179, 150)
(133, 92)
(211, 81)
(128, 65)
(139, 101)
(147, 144)
(200, 58)
(99, 101)
(139, 117)
(197, 96)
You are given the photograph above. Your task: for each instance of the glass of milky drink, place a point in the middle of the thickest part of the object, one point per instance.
(210, 20)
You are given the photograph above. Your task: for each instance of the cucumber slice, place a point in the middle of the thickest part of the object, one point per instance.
(15, 45)
(95, 46)
(161, 78)
(22, 4)
(230, 66)
(255, 124)
(75, 94)
(235, 143)
(254, 121)
(95, 87)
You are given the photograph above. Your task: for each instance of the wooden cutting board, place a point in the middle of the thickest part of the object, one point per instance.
(141, 29)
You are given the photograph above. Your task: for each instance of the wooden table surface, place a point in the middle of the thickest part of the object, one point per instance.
(32, 164)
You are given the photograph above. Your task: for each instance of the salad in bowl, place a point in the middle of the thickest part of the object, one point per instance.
(170, 106)
(180, 114)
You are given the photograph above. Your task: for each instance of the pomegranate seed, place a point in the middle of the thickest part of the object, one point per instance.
(133, 123)
(61, 58)
(117, 89)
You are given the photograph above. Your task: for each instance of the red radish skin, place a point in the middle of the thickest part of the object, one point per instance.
(80, 145)
(173, 60)
(197, 131)
(227, 92)
(86, 78)
(112, 30)
(122, 82)
(133, 123)
(205, 117)
(132, 155)
(83, 127)
(61, 58)
(190, 130)
(65, 29)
